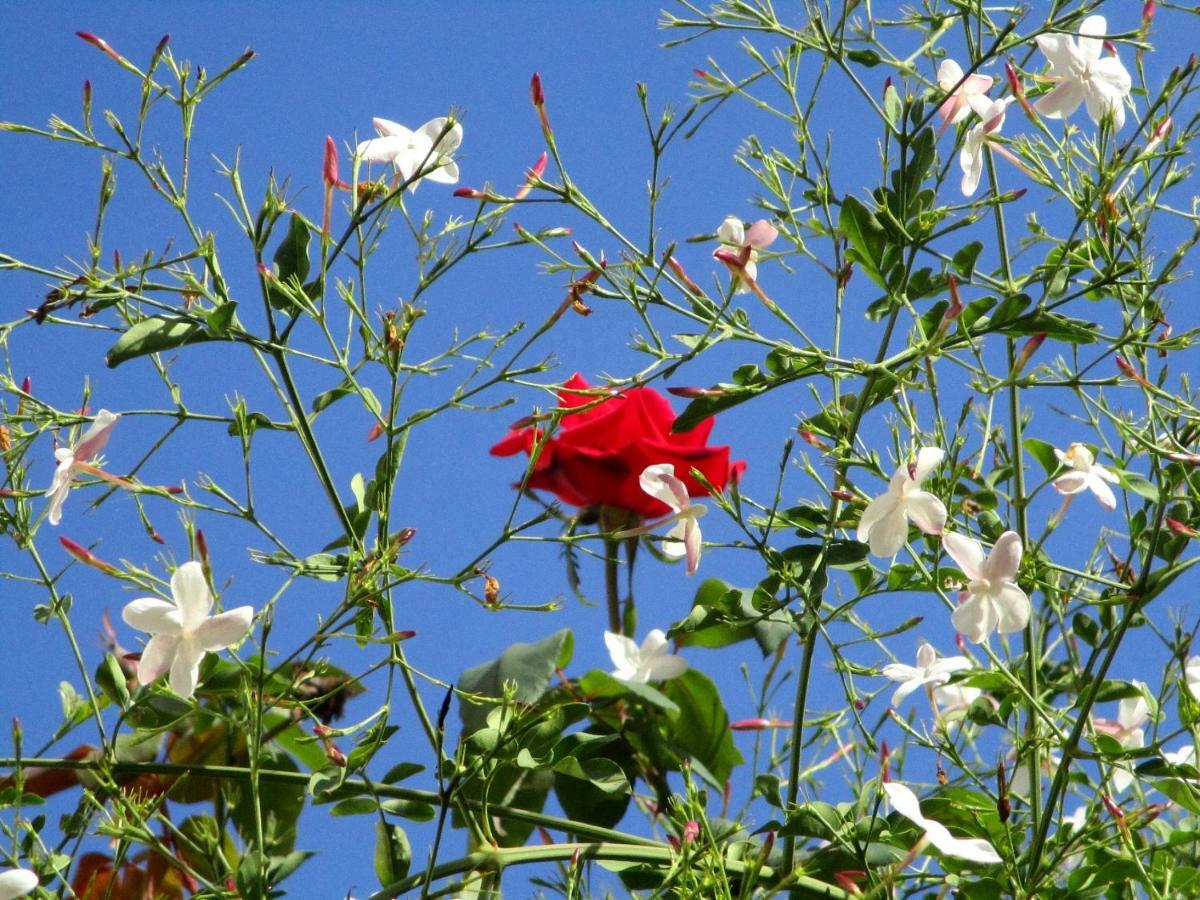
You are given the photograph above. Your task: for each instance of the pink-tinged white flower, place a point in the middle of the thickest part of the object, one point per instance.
(970, 157)
(1191, 675)
(951, 701)
(72, 460)
(426, 151)
(760, 235)
(1132, 714)
(649, 662)
(962, 96)
(183, 631)
(976, 850)
(884, 523)
(1084, 473)
(660, 482)
(16, 883)
(1083, 76)
(992, 601)
(929, 670)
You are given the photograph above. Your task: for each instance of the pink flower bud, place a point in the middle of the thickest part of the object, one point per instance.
(470, 193)
(1113, 810)
(375, 432)
(85, 556)
(266, 272)
(844, 496)
(1149, 8)
(329, 169)
(534, 174)
(1181, 528)
(848, 880)
(1163, 129)
(691, 831)
(1027, 351)
(100, 44)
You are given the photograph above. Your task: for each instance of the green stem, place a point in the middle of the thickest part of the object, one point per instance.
(612, 585)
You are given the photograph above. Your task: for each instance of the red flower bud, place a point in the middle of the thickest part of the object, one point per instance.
(844, 496)
(1113, 810)
(536, 94)
(887, 83)
(809, 438)
(85, 556)
(677, 268)
(375, 432)
(758, 724)
(860, 705)
(848, 880)
(1181, 528)
(405, 536)
(1133, 373)
(266, 272)
(1149, 8)
(100, 44)
(534, 174)
(470, 193)
(27, 385)
(329, 168)
(1027, 351)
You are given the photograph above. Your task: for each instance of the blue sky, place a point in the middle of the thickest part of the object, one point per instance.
(321, 71)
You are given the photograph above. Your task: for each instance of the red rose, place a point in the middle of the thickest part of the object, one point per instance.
(596, 456)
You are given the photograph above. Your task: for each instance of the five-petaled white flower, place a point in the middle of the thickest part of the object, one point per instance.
(761, 234)
(992, 600)
(649, 662)
(884, 523)
(1191, 675)
(1132, 714)
(905, 802)
(971, 93)
(970, 157)
(183, 631)
(16, 883)
(75, 459)
(426, 150)
(1083, 76)
(1084, 473)
(660, 482)
(929, 670)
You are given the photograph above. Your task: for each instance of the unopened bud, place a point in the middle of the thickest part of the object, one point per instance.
(85, 556)
(691, 831)
(677, 268)
(695, 393)
(1027, 351)
(536, 94)
(162, 45)
(860, 705)
(471, 193)
(266, 272)
(329, 168)
(1181, 528)
(1149, 8)
(1113, 810)
(100, 44)
(533, 175)
(375, 432)
(406, 535)
(1163, 129)
(1130, 371)
(27, 385)
(848, 880)
(809, 438)
(887, 83)
(844, 496)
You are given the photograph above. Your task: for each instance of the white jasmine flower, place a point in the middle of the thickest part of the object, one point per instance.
(884, 523)
(16, 883)
(993, 600)
(1127, 730)
(1191, 674)
(760, 236)
(929, 670)
(72, 460)
(905, 802)
(649, 662)
(970, 95)
(183, 631)
(1083, 76)
(684, 538)
(970, 157)
(427, 149)
(1084, 473)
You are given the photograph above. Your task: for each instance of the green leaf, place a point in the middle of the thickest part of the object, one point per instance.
(868, 240)
(393, 853)
(1132, 481)
(964, 260)
(702, 727)
(1054, 325)
(291, 263)
(603, 774)
(1043, 452)
(155, 334)
(584, 801)
(529, 666)
(597, 684)
(723, 615)
(112, 681)
(280, 804)
(354, 806)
